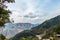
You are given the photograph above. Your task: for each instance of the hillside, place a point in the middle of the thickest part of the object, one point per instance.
(12, 29)
(50, 25)
(46, 25)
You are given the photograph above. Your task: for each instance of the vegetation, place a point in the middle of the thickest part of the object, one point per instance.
(8, 1)
(51, 26)
(4, 14)
(29, 38)
(2, 37)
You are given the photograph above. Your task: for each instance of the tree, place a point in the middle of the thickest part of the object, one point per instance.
(2, 37)
(4, 14)
(3, 1)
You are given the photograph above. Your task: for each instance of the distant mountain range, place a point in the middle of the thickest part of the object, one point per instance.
(12, 29)
(25, 25)
(51, 24)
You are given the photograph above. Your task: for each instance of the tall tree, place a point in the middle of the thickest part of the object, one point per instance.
(4, 14)
(7, 1)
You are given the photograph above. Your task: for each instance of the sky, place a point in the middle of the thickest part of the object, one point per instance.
(33, 11)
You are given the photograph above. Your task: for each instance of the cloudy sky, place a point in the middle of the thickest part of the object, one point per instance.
(34, 11)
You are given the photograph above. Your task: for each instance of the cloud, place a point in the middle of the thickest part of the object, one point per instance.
(34, 11)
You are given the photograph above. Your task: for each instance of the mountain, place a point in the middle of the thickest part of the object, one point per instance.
(12, 29)
(25, 25)
(46, 25)
(50, 25)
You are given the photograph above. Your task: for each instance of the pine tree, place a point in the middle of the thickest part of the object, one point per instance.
(4, 14)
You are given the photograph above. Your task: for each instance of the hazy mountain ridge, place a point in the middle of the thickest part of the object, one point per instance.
(51, 23)
(25, 25)
(12, 29)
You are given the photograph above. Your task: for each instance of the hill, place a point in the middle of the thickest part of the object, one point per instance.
(52, 25)
(12, 29)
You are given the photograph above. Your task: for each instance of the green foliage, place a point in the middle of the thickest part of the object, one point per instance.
(56, 29)
(8, 1)
(52, 30)
(29, 38)
(35, 38)
(4, 16)
(22, 38)
(2, 37)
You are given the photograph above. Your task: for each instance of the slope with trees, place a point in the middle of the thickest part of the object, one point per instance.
(50, 26)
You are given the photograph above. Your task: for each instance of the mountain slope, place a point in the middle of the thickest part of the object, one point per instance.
(12, 29)
(46, 25)
(49, 24)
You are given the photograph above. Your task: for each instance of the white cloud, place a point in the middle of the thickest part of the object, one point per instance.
(41, 10)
